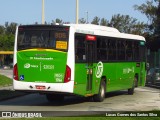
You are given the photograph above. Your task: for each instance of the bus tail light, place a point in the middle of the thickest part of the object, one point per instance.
(90, 38)
(15, 72)
(68, 74)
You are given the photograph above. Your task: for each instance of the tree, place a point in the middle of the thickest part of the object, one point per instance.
(127, 24)
(10, 28)
(82, 21)
(152, 11)
(148, 9)
(157, 22)
(59, 21)
(2, 29)
(6, 42)
(96, 20)
(156, 43)
(7, 34)
(104, 22)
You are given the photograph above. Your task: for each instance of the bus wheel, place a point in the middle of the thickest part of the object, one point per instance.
(131, 90)
(101, 95)
(136, 81)
(54, 97)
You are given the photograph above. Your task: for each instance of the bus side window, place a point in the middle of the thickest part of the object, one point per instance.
(80, 48)
(136, 50)
(112, 55)
(102, 49)
(129, 50)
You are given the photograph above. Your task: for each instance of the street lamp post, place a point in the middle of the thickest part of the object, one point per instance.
(77, 11)
(43, 16)
(87, 17)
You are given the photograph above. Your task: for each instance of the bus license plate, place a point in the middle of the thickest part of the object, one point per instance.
(40, 87)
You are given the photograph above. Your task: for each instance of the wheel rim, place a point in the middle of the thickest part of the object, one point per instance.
(102, 92)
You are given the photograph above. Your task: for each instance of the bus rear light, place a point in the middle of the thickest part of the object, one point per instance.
(90, 38)
(67, 29)
(68, 74)
(15, 72)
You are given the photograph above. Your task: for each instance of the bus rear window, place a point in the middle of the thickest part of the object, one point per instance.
(30, 38)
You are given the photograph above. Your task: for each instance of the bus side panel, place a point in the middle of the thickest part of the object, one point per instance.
(119, 75)
(125, 74)
(109, 71)
(80, 79)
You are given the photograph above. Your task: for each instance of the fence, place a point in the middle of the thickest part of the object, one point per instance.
(153, 58)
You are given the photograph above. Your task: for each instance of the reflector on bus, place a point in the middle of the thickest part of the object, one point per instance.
(91, 38)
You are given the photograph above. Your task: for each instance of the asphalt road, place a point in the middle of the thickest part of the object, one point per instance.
(144, 99)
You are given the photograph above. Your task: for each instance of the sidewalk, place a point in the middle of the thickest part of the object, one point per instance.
(10, 88)
(8, 73)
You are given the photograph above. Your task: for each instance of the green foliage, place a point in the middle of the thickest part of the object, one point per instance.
(5, 81)
(104, 22)
(148, 9)
(10, 28)
(6, 42)
(157, 22)
(82, 21)
(152, 11)
(2, 29)
(124, 23)
(58, 21)
(127, 24)
(91, 118)
(96, 20)
(7, 36)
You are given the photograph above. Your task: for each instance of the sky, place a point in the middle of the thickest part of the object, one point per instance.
(29, 11)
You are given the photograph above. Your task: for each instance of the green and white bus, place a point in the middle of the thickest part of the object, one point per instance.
(77, 59)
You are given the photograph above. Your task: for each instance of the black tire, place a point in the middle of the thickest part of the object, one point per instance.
(136, 81)
(102, 91)
(153, 81)
(54, 97)
(131, 90)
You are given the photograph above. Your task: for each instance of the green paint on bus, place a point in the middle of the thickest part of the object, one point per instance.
(41, 66)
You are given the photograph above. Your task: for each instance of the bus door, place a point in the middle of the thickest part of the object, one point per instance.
(90, 55)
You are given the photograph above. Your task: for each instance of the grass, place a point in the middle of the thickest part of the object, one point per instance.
(7, 94)
(5, 81)
(98, 117)
(92, 118)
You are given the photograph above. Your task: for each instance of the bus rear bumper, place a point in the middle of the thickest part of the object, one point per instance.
(43, 87)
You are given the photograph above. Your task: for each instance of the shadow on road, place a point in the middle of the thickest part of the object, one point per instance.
(40, 100)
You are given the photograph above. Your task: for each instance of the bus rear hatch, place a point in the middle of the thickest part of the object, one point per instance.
(42, 53)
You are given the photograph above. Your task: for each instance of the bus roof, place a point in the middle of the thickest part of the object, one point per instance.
(103, 31)
(97, 30)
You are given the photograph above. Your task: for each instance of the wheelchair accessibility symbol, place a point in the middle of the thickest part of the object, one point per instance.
(99, 70)
(21, 77)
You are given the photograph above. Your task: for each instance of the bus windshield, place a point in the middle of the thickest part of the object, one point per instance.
(40, 37)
